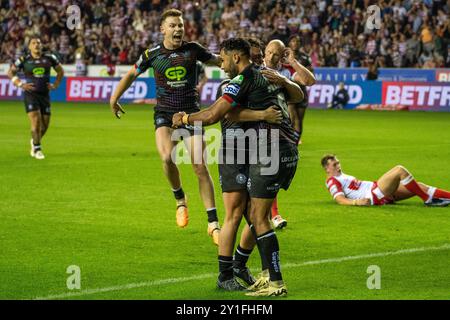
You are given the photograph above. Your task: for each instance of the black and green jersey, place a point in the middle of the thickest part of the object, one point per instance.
(251, 90)
(175, 75)
(224, 123)
(37, 70)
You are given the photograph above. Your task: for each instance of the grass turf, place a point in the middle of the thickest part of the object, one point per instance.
(100, 201)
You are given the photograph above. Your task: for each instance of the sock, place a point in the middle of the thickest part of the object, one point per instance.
(414, 187)
(178, 193)
(241, 256)
(275, 208)
(36, 147)
(225, 268)
(269, 248)
(212, 214)
(442, 194)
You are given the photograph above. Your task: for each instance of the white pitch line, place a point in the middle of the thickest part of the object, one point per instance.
(211, 275)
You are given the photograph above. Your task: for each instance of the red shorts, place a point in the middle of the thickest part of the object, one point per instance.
(380, 201)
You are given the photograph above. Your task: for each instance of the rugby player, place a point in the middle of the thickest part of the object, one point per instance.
(175, 62)
(274, 53)
(395, 185)
(250, 89)
(296, 57)
(36, 66)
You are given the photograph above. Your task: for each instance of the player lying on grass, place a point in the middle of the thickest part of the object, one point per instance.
(395, 185)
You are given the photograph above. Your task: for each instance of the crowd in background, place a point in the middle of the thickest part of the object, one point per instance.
(334, 33)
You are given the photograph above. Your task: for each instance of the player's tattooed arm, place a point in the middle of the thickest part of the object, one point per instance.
(295, 94)
(271, 115)
(207, 116)
(303, 75)
(340, 199)
(12, 74)
(214, 61)
(59, 75)
(123, 85)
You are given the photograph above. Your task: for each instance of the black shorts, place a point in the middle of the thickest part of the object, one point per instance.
(263, 185)
(233, 165)
(164, 119)
(37, 102)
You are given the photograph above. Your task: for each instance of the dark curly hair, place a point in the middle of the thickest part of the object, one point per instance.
(236, 44)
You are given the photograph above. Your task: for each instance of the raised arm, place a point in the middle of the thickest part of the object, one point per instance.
(295, 94)
(303, 75)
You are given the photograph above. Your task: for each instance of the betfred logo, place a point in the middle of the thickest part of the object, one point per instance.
(89, 89)
(322, 94)
(416, 94)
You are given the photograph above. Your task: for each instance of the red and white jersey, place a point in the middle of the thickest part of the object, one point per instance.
(349, 186)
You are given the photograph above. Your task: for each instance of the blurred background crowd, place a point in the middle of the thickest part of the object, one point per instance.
(333, 33)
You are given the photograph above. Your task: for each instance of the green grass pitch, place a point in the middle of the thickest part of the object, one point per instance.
(100, 201)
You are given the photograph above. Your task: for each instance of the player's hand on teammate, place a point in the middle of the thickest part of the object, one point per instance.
(28, 87)
(273, 77)
(273, 115)
(116, 108)
(363, 202)
(177, 119)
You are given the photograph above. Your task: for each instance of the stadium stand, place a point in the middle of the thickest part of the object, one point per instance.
(334, 32)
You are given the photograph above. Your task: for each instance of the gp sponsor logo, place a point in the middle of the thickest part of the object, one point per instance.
(175, 73)
(38, 71)
(232, 89)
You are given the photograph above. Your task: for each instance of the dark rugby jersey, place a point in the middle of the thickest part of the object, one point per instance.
(224, 123)
(251, 90)
(37, 71)
(175, 75)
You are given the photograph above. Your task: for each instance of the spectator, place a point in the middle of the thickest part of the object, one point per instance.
(340, 98)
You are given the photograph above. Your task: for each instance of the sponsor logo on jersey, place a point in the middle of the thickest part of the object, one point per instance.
(232, 89)
(238, 79)
(39, 72)
(175, 73)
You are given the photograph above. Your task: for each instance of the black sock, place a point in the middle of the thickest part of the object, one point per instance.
(179, 193)
(241, 256)
(264, 262)
(270, 250)
(225, 268)
(212, 215)
(36, 147)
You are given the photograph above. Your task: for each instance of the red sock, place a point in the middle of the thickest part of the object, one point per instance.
(439, 193)
(275, 208)
(414, 187)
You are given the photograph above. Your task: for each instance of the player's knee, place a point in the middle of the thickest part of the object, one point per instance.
(166, 159)
(234, 218)
(401, 170)
(200, 170)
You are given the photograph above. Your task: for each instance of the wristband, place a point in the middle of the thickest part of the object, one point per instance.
(185, 119)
